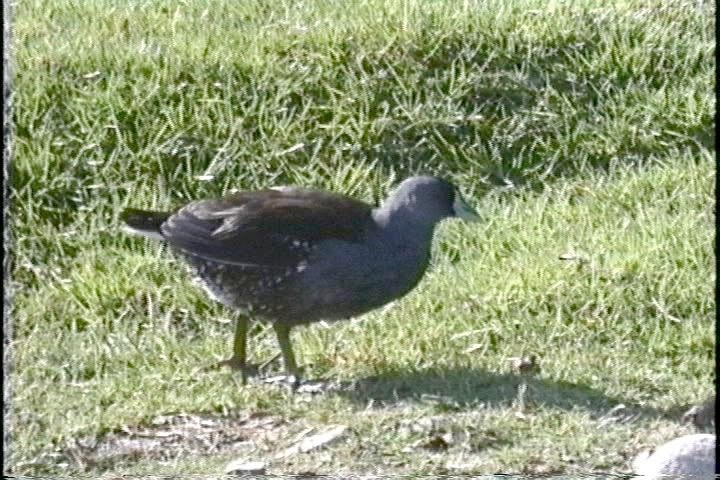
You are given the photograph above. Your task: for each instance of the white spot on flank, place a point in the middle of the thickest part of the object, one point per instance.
(216, 294)
(228, 212)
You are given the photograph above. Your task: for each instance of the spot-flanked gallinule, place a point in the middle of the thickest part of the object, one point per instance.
(294, 256)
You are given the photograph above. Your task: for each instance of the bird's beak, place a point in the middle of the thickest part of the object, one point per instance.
(463, 210)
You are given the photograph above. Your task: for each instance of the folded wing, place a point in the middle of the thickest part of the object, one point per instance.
(268, 228)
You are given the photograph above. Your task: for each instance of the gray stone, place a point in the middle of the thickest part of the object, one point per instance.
(689, 456)
(244, 467)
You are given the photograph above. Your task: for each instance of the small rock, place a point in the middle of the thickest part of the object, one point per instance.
(691, 455)
(702, 416)
(244, 467)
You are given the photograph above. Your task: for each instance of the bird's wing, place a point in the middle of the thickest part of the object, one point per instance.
(268, 228)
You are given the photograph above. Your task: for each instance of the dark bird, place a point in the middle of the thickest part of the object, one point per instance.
(294, 256)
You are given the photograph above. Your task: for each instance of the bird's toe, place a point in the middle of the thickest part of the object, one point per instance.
(246, 369)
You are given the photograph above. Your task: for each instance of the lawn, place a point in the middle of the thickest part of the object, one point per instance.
(581, 131)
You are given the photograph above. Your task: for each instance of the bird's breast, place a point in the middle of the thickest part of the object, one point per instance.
(353, 280)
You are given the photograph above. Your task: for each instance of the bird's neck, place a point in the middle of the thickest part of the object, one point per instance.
(405, 244)
(399, 225)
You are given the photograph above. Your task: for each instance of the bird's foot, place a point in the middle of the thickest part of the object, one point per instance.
(297, 384)
(246, 369)
(292, 381)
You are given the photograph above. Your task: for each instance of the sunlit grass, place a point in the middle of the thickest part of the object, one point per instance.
(582, 128)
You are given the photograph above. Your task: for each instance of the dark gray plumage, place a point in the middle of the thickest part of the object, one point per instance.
(295, 256)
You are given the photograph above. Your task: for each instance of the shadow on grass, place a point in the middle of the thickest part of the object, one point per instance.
(465, 388)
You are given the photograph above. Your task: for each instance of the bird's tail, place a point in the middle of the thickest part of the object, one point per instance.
(144, 222)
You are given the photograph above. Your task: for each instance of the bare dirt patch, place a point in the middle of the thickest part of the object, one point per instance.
(168, 437)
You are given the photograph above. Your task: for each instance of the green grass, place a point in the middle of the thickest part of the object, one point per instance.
(582, 127)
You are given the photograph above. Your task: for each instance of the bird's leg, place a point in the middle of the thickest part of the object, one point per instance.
(291, 369)
(238, 361)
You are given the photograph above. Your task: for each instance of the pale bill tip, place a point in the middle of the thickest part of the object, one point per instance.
(463, 210)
